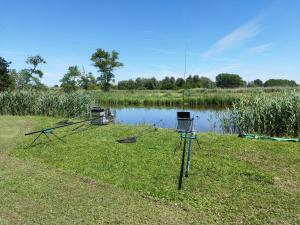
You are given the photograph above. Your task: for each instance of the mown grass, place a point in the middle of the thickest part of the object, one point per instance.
(231, 181)
(32, 192)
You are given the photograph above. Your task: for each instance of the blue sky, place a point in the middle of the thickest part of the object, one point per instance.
(256, 39)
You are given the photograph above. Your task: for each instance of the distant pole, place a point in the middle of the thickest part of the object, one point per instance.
(184, 84)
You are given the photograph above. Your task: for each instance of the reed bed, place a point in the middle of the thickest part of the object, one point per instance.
(275, 115)
(163, 98)
(45, 103)
(193, 97)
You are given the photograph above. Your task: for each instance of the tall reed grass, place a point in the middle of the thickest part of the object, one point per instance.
(275, 115)
(163, 98)
(45, 103)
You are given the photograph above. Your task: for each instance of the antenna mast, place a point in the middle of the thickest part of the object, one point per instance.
(184, 84)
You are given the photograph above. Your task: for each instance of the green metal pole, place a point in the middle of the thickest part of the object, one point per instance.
(182, 165)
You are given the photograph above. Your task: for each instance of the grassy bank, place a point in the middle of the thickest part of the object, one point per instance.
(32, 192)
(231, 180)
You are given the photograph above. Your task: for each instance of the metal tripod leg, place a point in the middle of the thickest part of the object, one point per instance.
(35, 140)
(182, 166)
(78, 127)
(178, 146)
(58, 137)
(188, 158)
(198, 143)
(47, 136)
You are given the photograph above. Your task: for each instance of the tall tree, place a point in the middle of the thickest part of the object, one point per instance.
(189, 82)
(151, 83)
(255, 83)
(106, 62)
(70, 79)
(205, 82)
(5, 79)
(226, 80)
(179, 82)
(168, 83)
(30, 77)
(88, 81)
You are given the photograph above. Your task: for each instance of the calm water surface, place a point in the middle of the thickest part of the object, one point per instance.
(203, 118)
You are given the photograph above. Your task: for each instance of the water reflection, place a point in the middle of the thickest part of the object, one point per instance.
(204, 119)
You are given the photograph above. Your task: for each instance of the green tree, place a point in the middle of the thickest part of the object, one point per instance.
(189, 82)
(106, 62)
(14, 77)
(280, 83)
(258, 83)
(88, 82)
(151, 83)
(168, 83)
(30, 77)
(35, 73)
(255, 83)
(70, 79)
(205, 82)
(5, 79)
(226, 80)
(179, 82)
(122, 85)
(131, 84)
(139, 83)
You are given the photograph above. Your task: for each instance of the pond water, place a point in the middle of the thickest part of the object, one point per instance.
(204, 119)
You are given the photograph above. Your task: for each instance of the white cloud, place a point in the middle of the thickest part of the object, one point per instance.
(260, 48)
(229, 68)
(283, 77)
(236, 37)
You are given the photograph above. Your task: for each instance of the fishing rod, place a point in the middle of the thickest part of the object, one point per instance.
(47, 130)
(132, 139)
(50, 130)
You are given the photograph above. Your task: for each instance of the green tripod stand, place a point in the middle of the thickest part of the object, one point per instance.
(186, 137)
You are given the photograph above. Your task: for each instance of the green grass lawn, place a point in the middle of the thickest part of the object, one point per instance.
(92, 179)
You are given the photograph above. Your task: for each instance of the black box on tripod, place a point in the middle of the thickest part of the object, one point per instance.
(184, 122)
(97, 115)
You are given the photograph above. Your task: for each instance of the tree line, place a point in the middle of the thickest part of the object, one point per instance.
(223, 80)
(106, 62)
